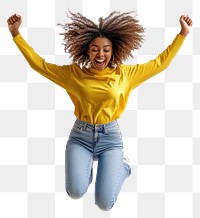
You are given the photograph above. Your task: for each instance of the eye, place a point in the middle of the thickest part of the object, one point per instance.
(106, 51)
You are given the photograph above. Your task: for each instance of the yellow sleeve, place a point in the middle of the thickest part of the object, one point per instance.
(142, 72)
(57, 74)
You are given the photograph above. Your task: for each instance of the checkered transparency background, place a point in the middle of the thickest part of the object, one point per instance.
(160, 127)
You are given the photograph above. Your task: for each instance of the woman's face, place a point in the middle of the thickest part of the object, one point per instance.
(100, 52)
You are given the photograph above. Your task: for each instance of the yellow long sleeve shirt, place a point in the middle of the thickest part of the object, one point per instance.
(99, 97)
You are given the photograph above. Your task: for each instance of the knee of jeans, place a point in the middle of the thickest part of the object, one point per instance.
(75, 194)
(105, 206)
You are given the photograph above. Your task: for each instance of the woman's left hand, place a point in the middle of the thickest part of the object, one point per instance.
(186, 23)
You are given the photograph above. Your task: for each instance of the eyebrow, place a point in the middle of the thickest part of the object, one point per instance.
(103, 46)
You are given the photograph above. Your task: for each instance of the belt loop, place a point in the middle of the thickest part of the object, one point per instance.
(105, 129)
(84, 126)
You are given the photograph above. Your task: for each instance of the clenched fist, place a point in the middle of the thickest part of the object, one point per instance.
(13, 24)
(186, 23)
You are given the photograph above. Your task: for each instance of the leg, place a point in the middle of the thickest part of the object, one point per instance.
(111, 174)
(78, 169)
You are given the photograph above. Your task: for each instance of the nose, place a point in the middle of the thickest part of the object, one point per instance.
(100, 53)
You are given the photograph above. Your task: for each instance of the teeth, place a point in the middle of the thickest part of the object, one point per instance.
(100, 60)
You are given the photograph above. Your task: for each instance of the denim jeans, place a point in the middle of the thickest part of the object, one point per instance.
(87, 143)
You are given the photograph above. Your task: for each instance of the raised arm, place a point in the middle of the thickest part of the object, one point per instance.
(141, 72)
(57, 74)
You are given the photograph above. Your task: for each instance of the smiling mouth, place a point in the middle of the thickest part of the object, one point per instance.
(99, 62)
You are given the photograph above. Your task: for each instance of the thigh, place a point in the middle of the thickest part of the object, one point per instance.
(111, 173)
(78, 168)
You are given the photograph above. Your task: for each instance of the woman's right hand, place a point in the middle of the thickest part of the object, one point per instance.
(13, 24)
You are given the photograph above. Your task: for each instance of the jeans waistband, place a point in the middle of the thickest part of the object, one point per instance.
(85, 124)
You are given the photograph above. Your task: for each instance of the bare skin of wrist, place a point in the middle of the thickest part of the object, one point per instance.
(184, 33)
(14, 33)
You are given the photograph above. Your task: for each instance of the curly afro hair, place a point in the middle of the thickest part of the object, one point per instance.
(122, 29)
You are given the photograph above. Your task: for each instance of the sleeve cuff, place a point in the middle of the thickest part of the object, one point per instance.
(181, 37)
(17, 37)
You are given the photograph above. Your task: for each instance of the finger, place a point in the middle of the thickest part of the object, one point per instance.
(190, 23)
(17, 17)
(187, 19)
(183, 17)
(12, 19)
(8, 21)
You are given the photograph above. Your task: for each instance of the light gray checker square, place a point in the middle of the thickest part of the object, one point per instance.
(178, 123)
(195, 13)
(46, 44)
(151, 205)
(196, 68)
(13, 123)
(196, 123)
(196, 42)
(14, 69)
(41, 151)
(60, 146)
(60, 178)
(63, 59)
(196, 178)
(128, 123)
(196, 151)
(41, 96)
(153, 36)
(180, 69)
(62, 7)
(64, 121)
(41, 205)
(178, 178)
(196, 96)
(13, 178)
(151, 151)
(151, 96)
(174, 9)
(196, 203)
(9, 7)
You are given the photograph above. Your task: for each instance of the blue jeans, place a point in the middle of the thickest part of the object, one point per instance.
(87, 143)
